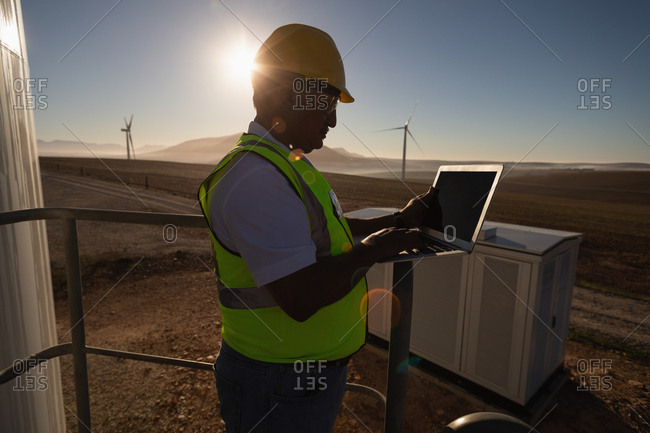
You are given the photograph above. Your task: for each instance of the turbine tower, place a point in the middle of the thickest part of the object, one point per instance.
(406, 131)
(129, 139)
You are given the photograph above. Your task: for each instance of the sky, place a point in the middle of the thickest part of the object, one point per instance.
(498, 80)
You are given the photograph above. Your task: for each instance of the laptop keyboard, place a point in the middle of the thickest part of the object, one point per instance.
(437, 248)
(431, 248)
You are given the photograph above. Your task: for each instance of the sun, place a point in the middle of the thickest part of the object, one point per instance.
(238, 63)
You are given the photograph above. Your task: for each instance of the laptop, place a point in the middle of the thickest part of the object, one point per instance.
(465, 193)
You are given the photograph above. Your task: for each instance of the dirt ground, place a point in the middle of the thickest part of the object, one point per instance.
(145, 292)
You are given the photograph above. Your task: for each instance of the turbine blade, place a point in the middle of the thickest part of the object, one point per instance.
(416, 142)
(130, 121)
(411, 115)
(389, 129)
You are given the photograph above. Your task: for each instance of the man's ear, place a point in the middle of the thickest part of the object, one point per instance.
(286, 98)
(277, 102)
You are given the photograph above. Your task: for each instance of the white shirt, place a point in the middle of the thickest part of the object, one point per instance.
(257, 213)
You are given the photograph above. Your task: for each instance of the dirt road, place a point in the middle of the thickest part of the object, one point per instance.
(89, 192)
(619, 319)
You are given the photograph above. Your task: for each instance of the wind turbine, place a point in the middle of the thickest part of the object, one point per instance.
(129, 139)
(406, 131)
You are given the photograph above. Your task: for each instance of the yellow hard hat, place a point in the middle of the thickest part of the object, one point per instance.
(307, 51)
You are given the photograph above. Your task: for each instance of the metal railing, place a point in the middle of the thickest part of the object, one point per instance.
(78, 348)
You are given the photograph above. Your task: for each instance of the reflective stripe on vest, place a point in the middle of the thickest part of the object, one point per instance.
(245, 297)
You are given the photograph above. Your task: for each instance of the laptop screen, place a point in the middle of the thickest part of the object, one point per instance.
(462, 197)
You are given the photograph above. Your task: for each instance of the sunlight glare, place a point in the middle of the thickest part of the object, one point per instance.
(9, 34)
(238, 63)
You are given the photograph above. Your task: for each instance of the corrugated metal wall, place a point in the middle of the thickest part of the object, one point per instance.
(33, 402)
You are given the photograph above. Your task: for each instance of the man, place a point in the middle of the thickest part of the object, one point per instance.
(290, 277)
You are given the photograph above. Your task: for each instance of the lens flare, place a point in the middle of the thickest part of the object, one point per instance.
(374, 297)
(279, 126)
(309, 177)
(403, 367)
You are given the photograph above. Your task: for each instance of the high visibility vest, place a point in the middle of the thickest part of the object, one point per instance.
(252, 322)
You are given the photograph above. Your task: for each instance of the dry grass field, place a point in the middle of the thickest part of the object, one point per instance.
(610, 209)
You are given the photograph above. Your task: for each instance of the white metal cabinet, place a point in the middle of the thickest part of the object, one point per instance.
(495, 322)
(438, 309)
(547, 330)
(518, 305)
(379, 279)
(498, 317)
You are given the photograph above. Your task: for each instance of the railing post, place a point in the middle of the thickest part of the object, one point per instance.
(398, 352)
(77, 329)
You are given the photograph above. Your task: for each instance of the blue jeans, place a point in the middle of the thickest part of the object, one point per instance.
(263, 397)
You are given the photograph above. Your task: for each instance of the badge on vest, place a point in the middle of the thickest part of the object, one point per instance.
(336, 205)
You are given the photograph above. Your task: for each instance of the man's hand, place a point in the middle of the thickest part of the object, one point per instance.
(392, 241)
(421, 209)
(306, 291)
(424, 207)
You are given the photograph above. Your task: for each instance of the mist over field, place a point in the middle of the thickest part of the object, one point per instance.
(334, 160)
